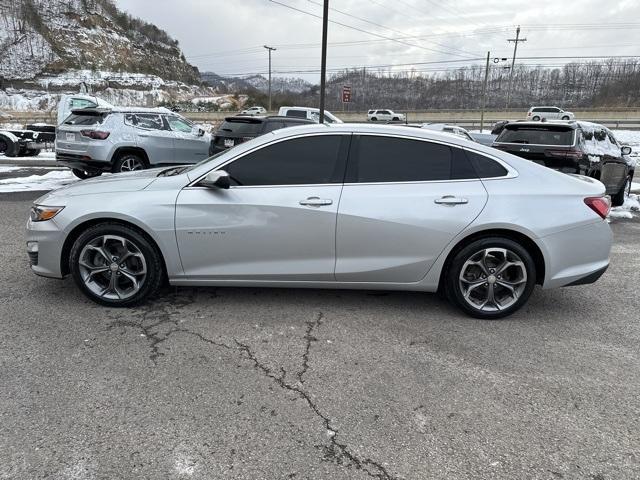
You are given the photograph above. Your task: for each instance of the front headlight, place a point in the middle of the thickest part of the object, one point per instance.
(41, 213)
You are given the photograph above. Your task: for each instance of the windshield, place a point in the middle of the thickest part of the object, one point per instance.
(536, 136)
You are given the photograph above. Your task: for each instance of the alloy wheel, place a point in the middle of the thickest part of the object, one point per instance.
(131, 164)
(492, 279)
(112, 267)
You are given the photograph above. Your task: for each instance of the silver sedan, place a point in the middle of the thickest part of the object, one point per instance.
(340, 206)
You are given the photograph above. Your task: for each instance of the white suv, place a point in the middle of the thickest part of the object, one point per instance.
(254, 111)
(549, 113)
(385, 116)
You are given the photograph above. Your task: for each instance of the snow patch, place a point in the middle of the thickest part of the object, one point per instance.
(48, 181)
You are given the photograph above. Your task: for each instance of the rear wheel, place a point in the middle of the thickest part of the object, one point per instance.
(374, 119)
(491, 278)
(129, 162)
(536, 118)
(396, 119)
(115, 265)
(82, 174)
(619, 198)
(8, 147)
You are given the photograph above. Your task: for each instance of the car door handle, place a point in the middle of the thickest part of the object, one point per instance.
(316, 202)
(451, 200)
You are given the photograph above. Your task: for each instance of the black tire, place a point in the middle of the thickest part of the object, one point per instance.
(8, 147)
(129, 162)
(82, 174)
(536, 118)
(148, 285)
(565, 118)
(32, 152)
(374, 119)
(453, 282)
(618, 199)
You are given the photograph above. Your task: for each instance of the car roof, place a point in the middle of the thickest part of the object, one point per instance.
(121, 110)
(572, 124)
(262, 118)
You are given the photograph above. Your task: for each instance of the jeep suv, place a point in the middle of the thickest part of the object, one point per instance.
(238, 129)
(573, 147)
(95, 140)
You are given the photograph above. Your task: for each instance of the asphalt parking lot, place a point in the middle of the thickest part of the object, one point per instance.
(307, 384)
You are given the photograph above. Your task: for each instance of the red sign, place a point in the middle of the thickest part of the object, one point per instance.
(346, 93)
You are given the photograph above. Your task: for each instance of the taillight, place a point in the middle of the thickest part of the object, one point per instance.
(95, 134)
(600, 205)
(572, 154)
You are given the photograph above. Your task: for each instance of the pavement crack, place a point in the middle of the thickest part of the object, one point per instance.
(308, 338)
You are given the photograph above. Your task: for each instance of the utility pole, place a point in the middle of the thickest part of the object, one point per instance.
(513, 62)
(323, 67)
(484, 92)
(270, 49)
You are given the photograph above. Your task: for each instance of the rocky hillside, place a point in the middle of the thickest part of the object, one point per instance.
(51, 37)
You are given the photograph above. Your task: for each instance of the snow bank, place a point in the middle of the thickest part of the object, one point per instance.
(631, 204)
(48, 181)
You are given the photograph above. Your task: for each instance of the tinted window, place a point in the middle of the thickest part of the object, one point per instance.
(271, 126)
(240, 127)
(309, 160)
(85, 119)
(179, 125)
(297, 113)
(486, 167)
(149, 121)
(388, 159)
(536, 136)
(82, 103)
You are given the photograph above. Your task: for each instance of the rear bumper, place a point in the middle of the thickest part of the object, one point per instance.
(576, 256)
(81, 162)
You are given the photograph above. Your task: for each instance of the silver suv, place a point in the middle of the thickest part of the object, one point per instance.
(95, 140)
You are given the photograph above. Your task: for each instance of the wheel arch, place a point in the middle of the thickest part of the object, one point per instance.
(526, 241)
(120, 151)
(85, 224)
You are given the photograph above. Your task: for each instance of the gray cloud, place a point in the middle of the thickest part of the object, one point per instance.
(225, 36)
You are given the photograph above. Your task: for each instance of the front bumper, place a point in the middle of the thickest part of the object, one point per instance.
(49, 239)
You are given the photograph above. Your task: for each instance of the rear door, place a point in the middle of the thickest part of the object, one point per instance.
(153, 136)
(189, 145)
(403, 201)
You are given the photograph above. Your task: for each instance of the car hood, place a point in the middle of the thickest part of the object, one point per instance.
(109, 183)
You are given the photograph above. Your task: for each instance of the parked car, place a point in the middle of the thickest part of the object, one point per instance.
(573, 147)
(385, 115)
(95, 140)
(236, 130)
(254, 111)
(338, 206)
(308, 113)
(548, 113)
(452, 129)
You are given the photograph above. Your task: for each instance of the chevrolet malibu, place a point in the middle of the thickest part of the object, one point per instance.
(339, 206)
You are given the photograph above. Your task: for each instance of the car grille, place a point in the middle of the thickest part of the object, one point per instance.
(33, 258)
(613, 175)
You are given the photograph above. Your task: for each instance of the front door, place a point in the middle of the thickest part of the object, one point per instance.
(276, 222)
(189, 145)
(403, 201)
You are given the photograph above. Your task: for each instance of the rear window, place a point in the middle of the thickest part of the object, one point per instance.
(241, 128)
(85, 119)
(297, 113)
(536, 136)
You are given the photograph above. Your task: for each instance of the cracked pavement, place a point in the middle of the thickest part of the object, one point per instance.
(233, 383)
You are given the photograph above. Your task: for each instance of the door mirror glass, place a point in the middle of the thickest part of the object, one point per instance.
(216, 179)
(626, 150)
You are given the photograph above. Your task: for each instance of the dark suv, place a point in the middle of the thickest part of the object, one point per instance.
(573, 147)
(238, 129)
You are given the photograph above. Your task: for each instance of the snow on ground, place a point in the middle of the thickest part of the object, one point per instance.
(631, 204)
(49, 181)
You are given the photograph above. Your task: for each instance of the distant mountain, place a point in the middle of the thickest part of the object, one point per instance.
(51, 37)
(255, 82)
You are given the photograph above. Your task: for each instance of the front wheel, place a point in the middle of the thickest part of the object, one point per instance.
(374, 119)
(491, 278)
(115, 265)
(618, 199)
(536, 118)
(565, 118)
(396, 119)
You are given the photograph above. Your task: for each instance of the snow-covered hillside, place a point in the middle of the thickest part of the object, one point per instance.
(278, 84)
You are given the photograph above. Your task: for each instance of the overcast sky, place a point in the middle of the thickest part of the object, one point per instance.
(227, 36)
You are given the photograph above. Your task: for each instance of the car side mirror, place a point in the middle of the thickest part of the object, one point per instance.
(626, 150)
(216, 179)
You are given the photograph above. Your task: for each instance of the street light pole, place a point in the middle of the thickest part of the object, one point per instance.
(484, 92)
(270, 49)
(323, 67)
